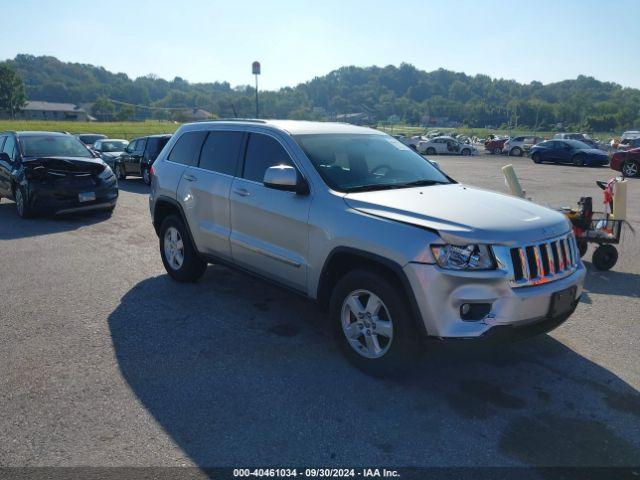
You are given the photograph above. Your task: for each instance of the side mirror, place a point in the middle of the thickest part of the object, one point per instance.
(4, 157)
(284, 177)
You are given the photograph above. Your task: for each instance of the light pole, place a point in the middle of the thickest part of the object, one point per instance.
(255, 68)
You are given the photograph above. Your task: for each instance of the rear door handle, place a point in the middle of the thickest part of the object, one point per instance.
(243, 192)
(189, 178)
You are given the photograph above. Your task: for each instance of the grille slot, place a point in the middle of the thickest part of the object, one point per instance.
(544, 262)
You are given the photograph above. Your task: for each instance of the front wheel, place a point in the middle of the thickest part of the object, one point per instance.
(146, 176)
(630, 169)
(119, 172)
(431, 151)
(466, 152)
(583, 246)
(578, 161)
(536, 158)
(373, 324)
(22, 203)
(605, 257)
(516, 152)
(497, 151)
(180, 259)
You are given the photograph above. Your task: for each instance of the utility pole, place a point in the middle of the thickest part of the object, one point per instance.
(255, 68)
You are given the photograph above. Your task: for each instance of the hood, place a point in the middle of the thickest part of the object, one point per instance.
(462, 214)
(66, 164)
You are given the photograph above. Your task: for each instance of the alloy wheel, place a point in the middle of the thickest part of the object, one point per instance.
(630, 169)
(366, 324)
(173, 248)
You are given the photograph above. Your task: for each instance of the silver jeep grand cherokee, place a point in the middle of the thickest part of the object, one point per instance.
(350, 217)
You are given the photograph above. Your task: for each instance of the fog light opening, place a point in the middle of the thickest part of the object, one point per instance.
(472, 312)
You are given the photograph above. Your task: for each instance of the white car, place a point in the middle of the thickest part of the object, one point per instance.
(411, 142)
(518, 146)
(444, 146)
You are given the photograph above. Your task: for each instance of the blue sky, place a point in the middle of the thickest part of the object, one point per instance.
(297, 40)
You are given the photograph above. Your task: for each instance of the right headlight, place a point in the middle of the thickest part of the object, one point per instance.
(464, 257)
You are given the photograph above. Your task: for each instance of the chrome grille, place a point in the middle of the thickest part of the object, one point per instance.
(544, 262)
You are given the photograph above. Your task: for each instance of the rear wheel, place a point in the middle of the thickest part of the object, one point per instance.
(497, 151)
(630, 169)
(605, 257)
(466, 152)
(582, 247)
(372, 323)
(431, 151)
(578, 160)
(180, 259)
(516, 152)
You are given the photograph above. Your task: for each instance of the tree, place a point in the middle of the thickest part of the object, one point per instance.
(12, 93)
(126, 113)
(103, 109)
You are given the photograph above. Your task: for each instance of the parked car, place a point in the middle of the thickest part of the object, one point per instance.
(445, 145)
(568, 151)
(581, 137)
(519, 146)
(495, 145)
(109, 149)
(627, 162)
(49, 172)
(352, 218)
(629, 143)
(138, 157)
(89, 138)
(411, 142)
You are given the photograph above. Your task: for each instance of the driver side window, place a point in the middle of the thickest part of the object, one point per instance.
(263, 152)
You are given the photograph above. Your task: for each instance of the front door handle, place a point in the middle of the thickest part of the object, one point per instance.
(189, 178)
(243, 192)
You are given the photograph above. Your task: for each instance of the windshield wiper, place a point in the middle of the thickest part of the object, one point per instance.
(421, 183)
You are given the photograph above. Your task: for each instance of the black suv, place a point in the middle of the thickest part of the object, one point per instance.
(49, 172)
(139, 156)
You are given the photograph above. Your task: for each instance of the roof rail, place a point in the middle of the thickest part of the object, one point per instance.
(252, 120)
(8, 131)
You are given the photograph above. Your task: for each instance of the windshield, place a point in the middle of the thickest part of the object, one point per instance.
(352, 162)
(53, 146)
(577, 144)
(114, 145)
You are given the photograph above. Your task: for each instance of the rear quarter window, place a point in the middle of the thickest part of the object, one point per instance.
(187, 149)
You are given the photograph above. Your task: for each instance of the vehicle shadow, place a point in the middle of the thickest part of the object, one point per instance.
(133, 185)
(238, 372)
(13, 227)
(625, 284)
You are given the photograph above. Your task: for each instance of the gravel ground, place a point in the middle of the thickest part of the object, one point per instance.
(106, 362)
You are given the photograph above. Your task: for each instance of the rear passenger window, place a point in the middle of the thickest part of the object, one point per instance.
(263, 152)
(187, 148)
(220, 152)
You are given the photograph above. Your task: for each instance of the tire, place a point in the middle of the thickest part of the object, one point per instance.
(397, 352)
(22, 203)
(119, 172)
(536, 158)
(146, 176)
(630, 169)
(497, 151)
(583, 246)
(605, 257)
(466, 152)
(578, 160)
(175, 243)
(516, 152)
(431, 151)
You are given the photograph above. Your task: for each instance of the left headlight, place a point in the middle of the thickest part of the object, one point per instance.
(464, 257)
(107, 173)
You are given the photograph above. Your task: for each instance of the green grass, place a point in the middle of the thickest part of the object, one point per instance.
(126, 130)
